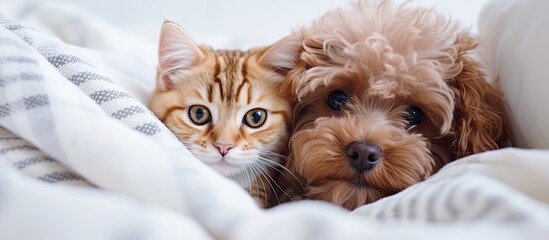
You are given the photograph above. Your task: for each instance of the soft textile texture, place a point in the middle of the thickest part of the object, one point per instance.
(72, 112)
(515, 37)
(62, 113)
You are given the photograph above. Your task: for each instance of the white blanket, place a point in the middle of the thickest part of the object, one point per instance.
(76, 115)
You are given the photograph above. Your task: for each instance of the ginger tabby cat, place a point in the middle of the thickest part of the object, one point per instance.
(226, 106)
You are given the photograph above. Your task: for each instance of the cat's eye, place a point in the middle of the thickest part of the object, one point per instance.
(414, 116)
(255, 118)
(199, 114)
(337, 99)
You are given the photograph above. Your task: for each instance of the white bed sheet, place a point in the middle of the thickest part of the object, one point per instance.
(150, 187)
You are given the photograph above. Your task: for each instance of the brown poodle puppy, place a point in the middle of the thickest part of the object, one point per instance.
(387, 96)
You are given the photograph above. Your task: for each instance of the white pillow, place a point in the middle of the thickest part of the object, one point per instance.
(515, 35)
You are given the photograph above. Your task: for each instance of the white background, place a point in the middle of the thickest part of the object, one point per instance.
(240, 23)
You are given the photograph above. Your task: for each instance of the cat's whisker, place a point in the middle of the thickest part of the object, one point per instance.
(272, 180)
(265, 173)
(248, 176)
(283, 172)
(271, 153)
(260, 173)
(273, 164)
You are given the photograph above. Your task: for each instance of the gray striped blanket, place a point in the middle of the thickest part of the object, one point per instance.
(81, 157)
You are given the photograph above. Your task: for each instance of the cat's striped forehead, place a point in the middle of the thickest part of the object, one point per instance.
(230, 77)
(233, 77)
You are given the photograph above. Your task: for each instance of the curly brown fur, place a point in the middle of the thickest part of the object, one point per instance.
(387, 58)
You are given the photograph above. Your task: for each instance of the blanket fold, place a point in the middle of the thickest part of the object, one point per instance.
(81, 157)
(91, 125)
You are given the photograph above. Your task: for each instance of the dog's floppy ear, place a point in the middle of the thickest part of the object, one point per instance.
(480, 121)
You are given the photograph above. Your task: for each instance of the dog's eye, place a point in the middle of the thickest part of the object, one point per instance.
(414, 116)
(337, 99)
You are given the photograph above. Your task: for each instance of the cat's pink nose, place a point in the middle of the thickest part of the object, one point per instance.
(224, 148)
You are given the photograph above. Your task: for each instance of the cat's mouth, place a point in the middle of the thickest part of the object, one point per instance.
(225, 167)
(222, 162)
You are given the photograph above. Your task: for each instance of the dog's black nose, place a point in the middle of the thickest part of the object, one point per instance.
(363, 156)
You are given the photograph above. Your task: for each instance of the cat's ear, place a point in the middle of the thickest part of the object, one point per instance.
(176, 51)
(282, 55)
